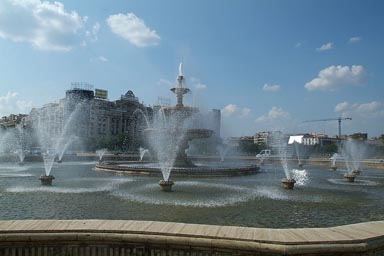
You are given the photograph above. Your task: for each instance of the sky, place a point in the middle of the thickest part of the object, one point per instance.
(267, 64)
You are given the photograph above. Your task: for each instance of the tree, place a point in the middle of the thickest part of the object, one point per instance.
(249, 147)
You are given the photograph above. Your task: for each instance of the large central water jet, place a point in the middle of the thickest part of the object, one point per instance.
(170, 135)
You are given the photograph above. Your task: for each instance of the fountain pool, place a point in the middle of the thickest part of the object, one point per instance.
(79, 192)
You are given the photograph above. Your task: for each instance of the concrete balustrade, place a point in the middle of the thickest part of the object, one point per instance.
(120, 238)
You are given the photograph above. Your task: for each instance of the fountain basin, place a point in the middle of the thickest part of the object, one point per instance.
(153, 169)
(46, 180)
(189, 134)
(350, 177)
(288, 183)
(166, 185)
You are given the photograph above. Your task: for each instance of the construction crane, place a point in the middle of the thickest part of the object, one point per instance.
(331, 119)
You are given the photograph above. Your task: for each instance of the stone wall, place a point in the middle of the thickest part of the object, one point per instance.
(115, 238)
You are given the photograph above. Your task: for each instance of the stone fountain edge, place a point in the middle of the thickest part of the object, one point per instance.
(354, 239)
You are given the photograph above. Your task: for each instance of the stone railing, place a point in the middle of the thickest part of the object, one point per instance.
(120, 238)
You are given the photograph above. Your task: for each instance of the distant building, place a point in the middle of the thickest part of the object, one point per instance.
(12, 120)
(261, 138)
(313, 139)
(84, 114)
(359, 136)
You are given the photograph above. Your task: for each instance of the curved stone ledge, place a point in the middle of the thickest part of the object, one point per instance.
(115, 237)
(176, 171)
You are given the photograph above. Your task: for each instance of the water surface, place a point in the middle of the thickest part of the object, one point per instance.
(322, 199)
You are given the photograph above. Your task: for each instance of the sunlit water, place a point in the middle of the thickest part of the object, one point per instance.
(320, 198)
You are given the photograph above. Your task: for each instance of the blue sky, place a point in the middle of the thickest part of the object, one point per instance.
(268, 65)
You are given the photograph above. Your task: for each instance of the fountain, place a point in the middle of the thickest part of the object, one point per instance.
(288, 182)
(296, 140)
(21, 143)
(166, 185)
(54, 143)
(169, 140)
(354, 152)
(222, 149)
(13, 140)
(281, 147)
(168, 136)
(64, 140)
(350, 177)
(21, 155)
(100, 153)
(48, 157)
(142, 152)
(144, 115)
(333, 159)
(61, 147)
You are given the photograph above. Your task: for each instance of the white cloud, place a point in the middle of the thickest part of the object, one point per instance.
(11, 103)
(335, 77)
(132, 29)
(194, 80)
(47, 26)
(200, 86)
(275, 113)
(361, 111)
(341, 106)
(197, 83)
(103, 59)
(366, 107)
(229, 110)
(99, 59)
(93, 33)
(166, 82)
(366, 117)
(245, 112)
(325, 47)
(271, 87)
(276, 119)
(233, 110)
(354, 39)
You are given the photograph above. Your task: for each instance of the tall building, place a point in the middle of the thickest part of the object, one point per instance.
(261, 138)
(88, 117)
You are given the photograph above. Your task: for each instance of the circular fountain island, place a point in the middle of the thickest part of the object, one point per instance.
(288, 183)
(168, 137)
(350, 177)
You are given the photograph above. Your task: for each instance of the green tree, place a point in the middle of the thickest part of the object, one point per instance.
(250, 148)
